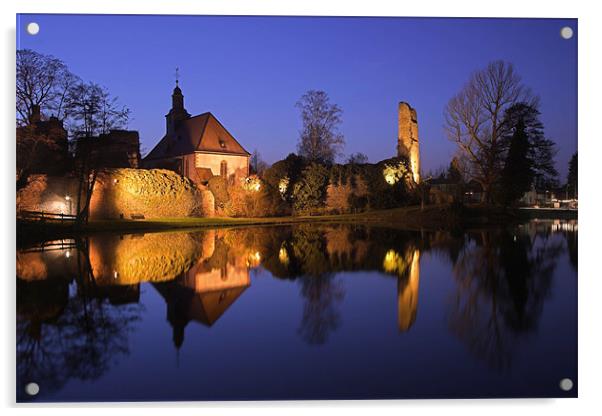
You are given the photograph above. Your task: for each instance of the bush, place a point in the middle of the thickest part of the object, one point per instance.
(384, 195)
(218, 185)
(309, 192)
(262, 201)
(290, 168)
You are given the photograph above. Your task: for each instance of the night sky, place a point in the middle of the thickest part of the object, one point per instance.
(250, 71)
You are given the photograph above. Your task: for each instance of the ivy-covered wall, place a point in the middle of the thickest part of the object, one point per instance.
(312, 188)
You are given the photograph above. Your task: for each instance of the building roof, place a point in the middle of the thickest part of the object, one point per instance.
(201, 133)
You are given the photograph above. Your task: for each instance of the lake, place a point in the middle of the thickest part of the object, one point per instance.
(309, 311)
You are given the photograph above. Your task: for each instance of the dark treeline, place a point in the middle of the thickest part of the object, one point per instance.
(495, 122)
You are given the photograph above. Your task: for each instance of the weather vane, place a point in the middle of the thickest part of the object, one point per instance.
(177, 75)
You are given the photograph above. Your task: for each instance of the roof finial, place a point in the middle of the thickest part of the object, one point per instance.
(177, 75)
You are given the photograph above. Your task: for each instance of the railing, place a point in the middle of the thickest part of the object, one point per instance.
(51, 246)
(45, 216)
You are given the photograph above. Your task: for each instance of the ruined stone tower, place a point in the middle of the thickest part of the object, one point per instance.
(407, 137)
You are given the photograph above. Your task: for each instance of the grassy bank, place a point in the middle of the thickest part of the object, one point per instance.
(411, 218)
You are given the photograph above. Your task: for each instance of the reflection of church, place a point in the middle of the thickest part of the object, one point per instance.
(203, 292)
(202, 295)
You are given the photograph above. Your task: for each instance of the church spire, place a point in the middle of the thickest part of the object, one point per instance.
(177, 98)
(177, 112)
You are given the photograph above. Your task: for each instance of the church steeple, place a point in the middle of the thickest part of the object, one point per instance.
(177, 112)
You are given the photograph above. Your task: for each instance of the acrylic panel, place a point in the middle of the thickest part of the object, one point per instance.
(295, 208)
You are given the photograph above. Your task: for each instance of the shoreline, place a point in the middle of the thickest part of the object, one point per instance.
(432, 217)
(440, 217)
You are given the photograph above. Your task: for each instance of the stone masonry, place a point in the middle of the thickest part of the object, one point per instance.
(407, 138)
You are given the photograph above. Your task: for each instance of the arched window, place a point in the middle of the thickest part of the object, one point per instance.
(223, 168)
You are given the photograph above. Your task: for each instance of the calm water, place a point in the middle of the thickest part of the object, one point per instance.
(300, 312)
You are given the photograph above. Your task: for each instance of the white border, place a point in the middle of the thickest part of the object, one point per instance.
(590, 149)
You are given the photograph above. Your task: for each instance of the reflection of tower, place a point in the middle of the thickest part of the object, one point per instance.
(407, 138)
(407, 294)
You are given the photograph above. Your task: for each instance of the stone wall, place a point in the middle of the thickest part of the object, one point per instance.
(152, 193)
(120, 193)
(55, 194)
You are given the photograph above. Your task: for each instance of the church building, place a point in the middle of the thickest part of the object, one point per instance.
(198, 147)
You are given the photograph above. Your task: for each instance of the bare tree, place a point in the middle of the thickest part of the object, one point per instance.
(474, 120)
(319, 140)
(357, 159)
(92, 111)
(258, 165)
(43, 81)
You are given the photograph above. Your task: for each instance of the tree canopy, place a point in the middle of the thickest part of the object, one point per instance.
(320, 139)
(474, 120)
(43, 81)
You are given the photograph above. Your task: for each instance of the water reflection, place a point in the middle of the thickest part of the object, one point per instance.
(502, 281)
(66, 326)
(204, 292)
(79, 300)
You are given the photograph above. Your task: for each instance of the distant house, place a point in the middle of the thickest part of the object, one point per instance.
(442, 191)
(539, 198)
(473, 192)
(198, 147)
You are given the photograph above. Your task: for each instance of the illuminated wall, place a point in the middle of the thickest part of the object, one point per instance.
(55, 194)
(153, 193)
(237, 165)
(120, 193)
(407, 138)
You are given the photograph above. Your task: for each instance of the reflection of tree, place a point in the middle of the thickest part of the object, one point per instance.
(322, 295)
(502, 281)
(571, 244)
(308, 252)
(61, 336)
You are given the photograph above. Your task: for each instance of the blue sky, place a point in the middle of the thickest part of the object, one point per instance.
(250, 71)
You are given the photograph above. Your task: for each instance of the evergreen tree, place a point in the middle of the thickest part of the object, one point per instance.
(541, 150)
(571, 180)
(529, 154)
(518, 174)
(454, 173)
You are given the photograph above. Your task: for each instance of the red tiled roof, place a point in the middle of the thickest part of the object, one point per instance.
(199, 133)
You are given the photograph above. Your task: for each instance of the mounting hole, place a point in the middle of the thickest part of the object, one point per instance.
(566, 32)
(32, 389)
(566, 384)
(33, 28)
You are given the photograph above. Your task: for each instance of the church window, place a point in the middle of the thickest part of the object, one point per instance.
(222, 143)
(223, 168)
